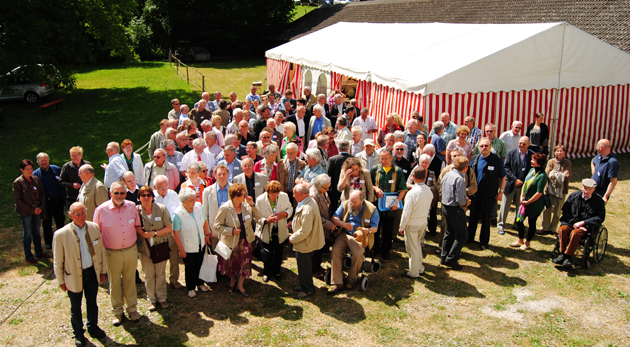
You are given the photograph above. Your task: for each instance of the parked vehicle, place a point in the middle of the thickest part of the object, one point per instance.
(24, 84)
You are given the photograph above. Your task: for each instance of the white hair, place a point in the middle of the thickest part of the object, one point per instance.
(429, 148)
(237, 111)
(398, 134)
(424, 157)
(357, 129)
(158, 179)
(292, 145)
(314, 154)
(321, 180)
(317, 108)
(199, 143)
(42, 155)
(437, 126)
(185, 194)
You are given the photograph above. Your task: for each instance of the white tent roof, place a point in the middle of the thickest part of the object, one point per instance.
(436, 58)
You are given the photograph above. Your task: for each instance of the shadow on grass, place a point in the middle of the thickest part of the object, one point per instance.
(231, 64)
(115, 66)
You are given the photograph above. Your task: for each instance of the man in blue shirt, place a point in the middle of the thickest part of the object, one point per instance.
(229, 160)
(605, 170)
(116, 166)
(353, 215)
(55, 196)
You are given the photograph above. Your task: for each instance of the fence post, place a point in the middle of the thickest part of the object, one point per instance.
(203, 83)
(187, 80)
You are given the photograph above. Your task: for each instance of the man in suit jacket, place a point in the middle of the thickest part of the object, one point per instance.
(214, 196)
(79, 268)
(290, 164)
(302, 122)
(92, 192)
(337, 110)
(254, 182)
(321, 101)
(517, 165)
(317, 123)
(334, 171)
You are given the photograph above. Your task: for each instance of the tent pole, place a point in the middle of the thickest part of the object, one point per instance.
(556, 107)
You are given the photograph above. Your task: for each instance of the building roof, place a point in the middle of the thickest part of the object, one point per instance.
(606, 20)
(465, 58)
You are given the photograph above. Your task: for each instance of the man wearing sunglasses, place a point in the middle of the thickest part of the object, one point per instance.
(160, 166)
(490, 173)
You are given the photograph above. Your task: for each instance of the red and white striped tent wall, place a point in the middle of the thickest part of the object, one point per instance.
(583, 91)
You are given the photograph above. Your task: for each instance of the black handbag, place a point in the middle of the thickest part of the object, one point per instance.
(159, 252)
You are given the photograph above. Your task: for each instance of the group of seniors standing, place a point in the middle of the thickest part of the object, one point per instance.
(318, 181)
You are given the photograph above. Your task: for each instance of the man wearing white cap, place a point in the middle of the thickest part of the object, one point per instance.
(582, 211)
(368, 156)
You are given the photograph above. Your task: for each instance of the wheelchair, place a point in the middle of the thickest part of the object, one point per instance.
(592, 248)
(372, 265)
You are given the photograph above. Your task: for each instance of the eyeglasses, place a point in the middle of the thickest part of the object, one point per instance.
(119, 193)
(517, 127)
(489, 131)
(175, 104)
(158, 156)
(204, 170)
(146, 196)
(484, 146)
(79, 214)
(399, 149)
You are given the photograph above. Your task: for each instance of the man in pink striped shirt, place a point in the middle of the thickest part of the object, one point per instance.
(120, 226)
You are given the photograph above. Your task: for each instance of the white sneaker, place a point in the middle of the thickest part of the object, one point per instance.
(192, 293)
(203, 288)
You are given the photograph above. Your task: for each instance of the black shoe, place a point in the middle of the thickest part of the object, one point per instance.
(97, 333)
(453, 265)
(47, 246)
(483, 248)
(493, 222)
(559, 259)
(79, 341)
(568, 262)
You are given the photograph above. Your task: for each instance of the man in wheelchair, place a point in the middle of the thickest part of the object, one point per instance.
(582, 211)
(358, 220)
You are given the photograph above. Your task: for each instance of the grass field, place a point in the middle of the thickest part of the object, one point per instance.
(503, 297)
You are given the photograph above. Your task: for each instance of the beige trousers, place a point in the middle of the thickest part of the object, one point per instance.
(155, 279)
(550, 223)
(121, 273)
(342, 243)
(413, 236)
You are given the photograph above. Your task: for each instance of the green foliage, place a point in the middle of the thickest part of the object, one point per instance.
(226, 27)
(62, 32)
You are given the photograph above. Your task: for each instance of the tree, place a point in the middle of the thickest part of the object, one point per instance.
(62, 32)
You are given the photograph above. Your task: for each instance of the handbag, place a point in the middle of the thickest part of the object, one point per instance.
(222, 249)
(160, 252)
(258, 248)
(208, 270)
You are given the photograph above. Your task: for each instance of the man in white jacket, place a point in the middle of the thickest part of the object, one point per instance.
(413, 222)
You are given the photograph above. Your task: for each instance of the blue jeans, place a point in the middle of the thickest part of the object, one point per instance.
(30, 231)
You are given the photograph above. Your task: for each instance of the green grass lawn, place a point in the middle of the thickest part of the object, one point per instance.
(110, 103)
(503, 297)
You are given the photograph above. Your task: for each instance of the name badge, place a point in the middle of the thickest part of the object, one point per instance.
(247, 217)
(56, 177)
(391, 181)
(256, 184)
(131, 221)
(598, 174)
(491, 168)
(405, 171)
(157, 219)
(35, 188)
(366, 220)
(237, 169)
(95, 243)
(361, 181)
(179, 163)
(523, 169)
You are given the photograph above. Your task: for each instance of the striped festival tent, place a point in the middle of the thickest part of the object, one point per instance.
(496, 73)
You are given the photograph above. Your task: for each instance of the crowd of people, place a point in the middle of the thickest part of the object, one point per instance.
(244, 178)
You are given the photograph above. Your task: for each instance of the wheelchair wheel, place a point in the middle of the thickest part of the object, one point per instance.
(347, 262)
(583, 254)
(376, 266)
(365, 282)
(328, 276)
(601, 242)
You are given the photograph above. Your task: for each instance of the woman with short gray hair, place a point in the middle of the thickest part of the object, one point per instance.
(314, 168)
(192, 234)
(268, 165)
